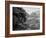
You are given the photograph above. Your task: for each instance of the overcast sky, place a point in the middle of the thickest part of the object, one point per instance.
(30, 10)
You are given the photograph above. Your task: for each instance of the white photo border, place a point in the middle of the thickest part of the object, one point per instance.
(26, 31)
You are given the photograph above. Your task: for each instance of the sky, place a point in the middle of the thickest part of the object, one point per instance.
(30, 10)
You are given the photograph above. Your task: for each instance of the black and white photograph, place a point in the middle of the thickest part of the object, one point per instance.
(26, 18)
